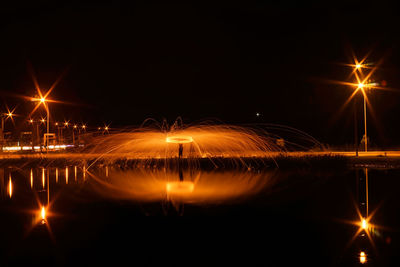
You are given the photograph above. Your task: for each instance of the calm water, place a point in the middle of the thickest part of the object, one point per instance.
(152, 217)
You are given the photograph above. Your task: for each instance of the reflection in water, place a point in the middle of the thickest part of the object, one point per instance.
(56, 175)
(31, 178)
(43, 182)
(75, 172)
(10, 186)
(197, 187)
(66, 175)
(363, 257)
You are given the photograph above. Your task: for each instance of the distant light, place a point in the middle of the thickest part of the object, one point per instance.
(99, 128)
(9, 114)
(83, 126)
(56, 123)
(75, 126)
(43, 120)
(358, 66)
(30, 121)
(258, 114)
(66, 123)
(106, 128)
(363, 257)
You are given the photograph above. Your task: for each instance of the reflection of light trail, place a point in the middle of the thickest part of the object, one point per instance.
(206, 187)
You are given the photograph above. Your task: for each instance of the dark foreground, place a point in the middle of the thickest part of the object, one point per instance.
(299, 220)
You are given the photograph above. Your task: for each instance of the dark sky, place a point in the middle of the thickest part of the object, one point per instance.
(129, 61)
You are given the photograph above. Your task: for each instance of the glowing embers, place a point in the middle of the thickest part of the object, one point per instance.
(180, 187)
(179, 139)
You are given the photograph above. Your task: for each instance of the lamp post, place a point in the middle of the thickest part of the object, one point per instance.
(44, 101)
(4, 117)
(362, 87)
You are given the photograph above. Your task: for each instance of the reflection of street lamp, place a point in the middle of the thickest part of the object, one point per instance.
(363, 257)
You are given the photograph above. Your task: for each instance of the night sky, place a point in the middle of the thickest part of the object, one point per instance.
(125, 62)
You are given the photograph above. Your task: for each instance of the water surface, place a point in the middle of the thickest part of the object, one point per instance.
(152, 216)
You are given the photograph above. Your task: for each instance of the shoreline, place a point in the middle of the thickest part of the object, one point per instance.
(317, 160)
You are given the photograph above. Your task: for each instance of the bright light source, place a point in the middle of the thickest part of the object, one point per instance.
(358, 66)
(363, 257)
(364, 224)
(9, 114)
(179, 139)
(360, 85)
(42, 100)
(43, 215)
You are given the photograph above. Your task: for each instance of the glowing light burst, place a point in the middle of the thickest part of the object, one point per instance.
(198, 141)
(364, 226)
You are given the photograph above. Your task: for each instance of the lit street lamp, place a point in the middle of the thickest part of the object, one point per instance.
(4, 117)
(362, 86)
(44, 101)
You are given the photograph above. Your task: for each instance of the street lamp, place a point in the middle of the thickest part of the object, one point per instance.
(4, 117)
(44, 101)
(362, 87)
